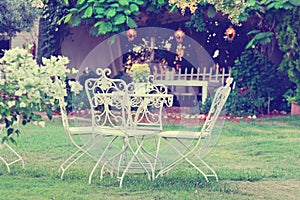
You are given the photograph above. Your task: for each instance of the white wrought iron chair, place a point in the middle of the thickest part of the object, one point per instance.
(104, 121)
(191, 150)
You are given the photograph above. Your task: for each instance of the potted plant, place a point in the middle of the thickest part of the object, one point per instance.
(140, 74)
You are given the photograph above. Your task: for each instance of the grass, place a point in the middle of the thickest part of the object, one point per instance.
(254, 160)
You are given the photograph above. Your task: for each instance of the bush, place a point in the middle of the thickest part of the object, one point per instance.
(260, 86)
(27, 88)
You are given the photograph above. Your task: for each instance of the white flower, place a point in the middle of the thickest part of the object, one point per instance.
(76, 87)
(11, 103)
(2, 81)
(22, 105)
(74, 71)
(216, 53)
(168, 46)
(9, 118)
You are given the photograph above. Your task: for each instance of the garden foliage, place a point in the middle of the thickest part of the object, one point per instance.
(259, 85)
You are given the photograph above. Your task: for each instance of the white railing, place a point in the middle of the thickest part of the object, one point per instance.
(200, 77)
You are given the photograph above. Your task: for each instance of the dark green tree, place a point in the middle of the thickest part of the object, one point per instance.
(16, 16)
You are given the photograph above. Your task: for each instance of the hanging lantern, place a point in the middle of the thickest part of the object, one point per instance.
(179, 35)
(131, 34)
(230, 33)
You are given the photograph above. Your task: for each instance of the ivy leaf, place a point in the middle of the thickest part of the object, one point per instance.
(68, 18)
(103, 27)
(123, 2)
(131, 23)
(79, 2)
(127, 12)
(114, 5)
(88, 12)
(111, 12)
(262, 38)
(66, 2)
(133, 7)
(99, 10)
(119, 19)
(139, 2)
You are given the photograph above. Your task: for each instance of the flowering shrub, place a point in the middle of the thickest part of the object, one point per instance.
(27, 88)
(139, 72)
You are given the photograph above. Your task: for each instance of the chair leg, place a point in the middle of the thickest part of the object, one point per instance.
(131, 160)
(112, 160)
(154, 157)
(100, 159)
(19, 158)
(185, 157)
(72, 159)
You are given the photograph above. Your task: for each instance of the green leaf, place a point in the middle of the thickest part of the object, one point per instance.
(68, 18)
(88, 12)
(161, 2)
(295, 2)
(79, 2)
(262, 38)
(100, 10)
(127, 12)
(131, 23)
(111, 12)
(119, 19)
(99, 16)
(123, 2)
(139, 2)
(253, 32)
(104, 27)
(173, 8)
(66, 2)
(114, 5)
(133, 7)
(73, 10)
(98, 23)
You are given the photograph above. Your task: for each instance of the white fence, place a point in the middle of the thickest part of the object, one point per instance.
(195, 78)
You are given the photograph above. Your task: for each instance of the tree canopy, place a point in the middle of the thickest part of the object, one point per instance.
(16, 16)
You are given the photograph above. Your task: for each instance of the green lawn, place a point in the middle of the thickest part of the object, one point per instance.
(259, 159)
